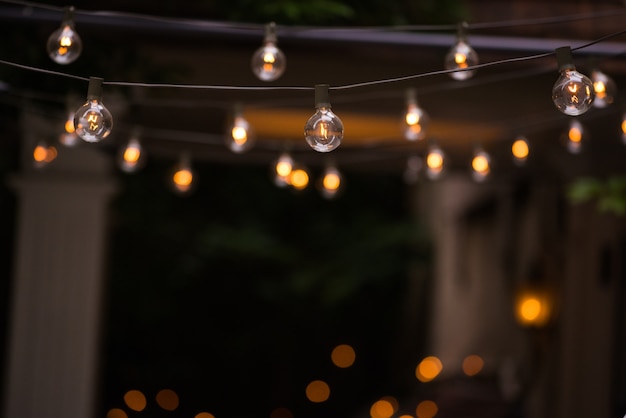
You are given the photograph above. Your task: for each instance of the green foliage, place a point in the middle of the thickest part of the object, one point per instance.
(609, 195)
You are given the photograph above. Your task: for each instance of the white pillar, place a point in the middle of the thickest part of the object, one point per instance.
(56, 292)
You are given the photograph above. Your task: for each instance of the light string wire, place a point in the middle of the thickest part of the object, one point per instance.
(340, 87)
(253, 26)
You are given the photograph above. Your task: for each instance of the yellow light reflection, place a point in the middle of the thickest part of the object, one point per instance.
(167, 399)
(317, 391)
(428, 369)
(472, 365)
(426, 409)
(281, 413)
(135, 400)
(343, 356)
(116, 413)
(381, 409)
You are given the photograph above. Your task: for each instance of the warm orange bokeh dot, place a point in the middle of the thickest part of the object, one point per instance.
(472, 365)
(428, 369)
(382, 409)
(167, 399)
(426, 409)
(317, 391)
(116, 413)
(135, 400)
(343, 356)
(281, 413)
(204, 415)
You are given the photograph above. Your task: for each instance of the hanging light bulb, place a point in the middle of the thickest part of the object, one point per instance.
(331, 182)
(182, 178)
(481, 165)
(604, 88)
(416, 120)
(434, 162)
(131, 157)
(43, 154)
(68, 137)
(324, 130)
(299, 178)
(411, 171)
(92, 121)
(574, 137)
(64, 45)
(461, 56)
(573, 92)
(624, 129)
(269, 62)
(239, 137)
(520, 150)
(282, 169)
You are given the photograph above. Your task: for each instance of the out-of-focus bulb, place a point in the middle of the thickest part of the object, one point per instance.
(461, 56)
(93, 122)
(481, 165)
(64, 45)
(574, 137)
(520, 150)
(434, 162)
(182, 178)
(299, 178)
(282, 169)
(68, 137)
(624, 128)
(411, 171)
(331, 182)
(415, 120)
(131, 157)
(43, 154)
(604, 87)
(239, 137)
(573, 92)
(269, 62)
(324, 130)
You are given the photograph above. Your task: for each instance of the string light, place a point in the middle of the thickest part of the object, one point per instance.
(64, 45)
(481, 164)
(324, 130)
(43, 154)
(623, 125)
(604, 88)
(239, 136)
(461, 56)
(131, 157)
(416, 120)
(435, 160)
(182, 179)
(269, 62)
(520, 150)
(282, 169)
(299, 177)
(68, 137)
(573, 92)
(574, 137)
(331, 182)
(92, 121)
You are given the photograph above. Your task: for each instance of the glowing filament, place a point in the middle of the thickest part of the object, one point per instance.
(66, 41)
(94, 121)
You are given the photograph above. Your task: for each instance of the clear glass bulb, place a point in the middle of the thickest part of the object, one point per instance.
(64, 45)
(481, 165)
(520, 150)
(415, 119)
(324, 130)
(93, 122)
(461, 56)
(240, 137)
(573, 92)
(182, 176)
(268, 62)
(435, 160)
(331, 182)
(604, 88)
(574, 137)
(299, 178)
(131, 157)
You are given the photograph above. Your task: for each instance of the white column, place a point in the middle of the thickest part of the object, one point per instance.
(57, 284)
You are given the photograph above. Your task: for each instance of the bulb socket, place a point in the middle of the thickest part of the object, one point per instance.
(564, 58)
(411, 95)
(270, 33)
(322, 96)
(461, 31)
(94, 91)
(68, 16)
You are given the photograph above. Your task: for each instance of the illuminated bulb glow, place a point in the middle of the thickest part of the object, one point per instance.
(461, 56)
(416, 120)
(93, 121)
(434, 162)
(131, 156)
(481, 166)
(268, 62)
(532, 308)
(240, 137)
(43, 154)
(573, 92)
(284, 165)
(574, 137)
(64, 45)
(520, 150)
(604, 88)
(331, 182)
(182, 178)
(299, 178)
(624, 129)
(324, 130)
